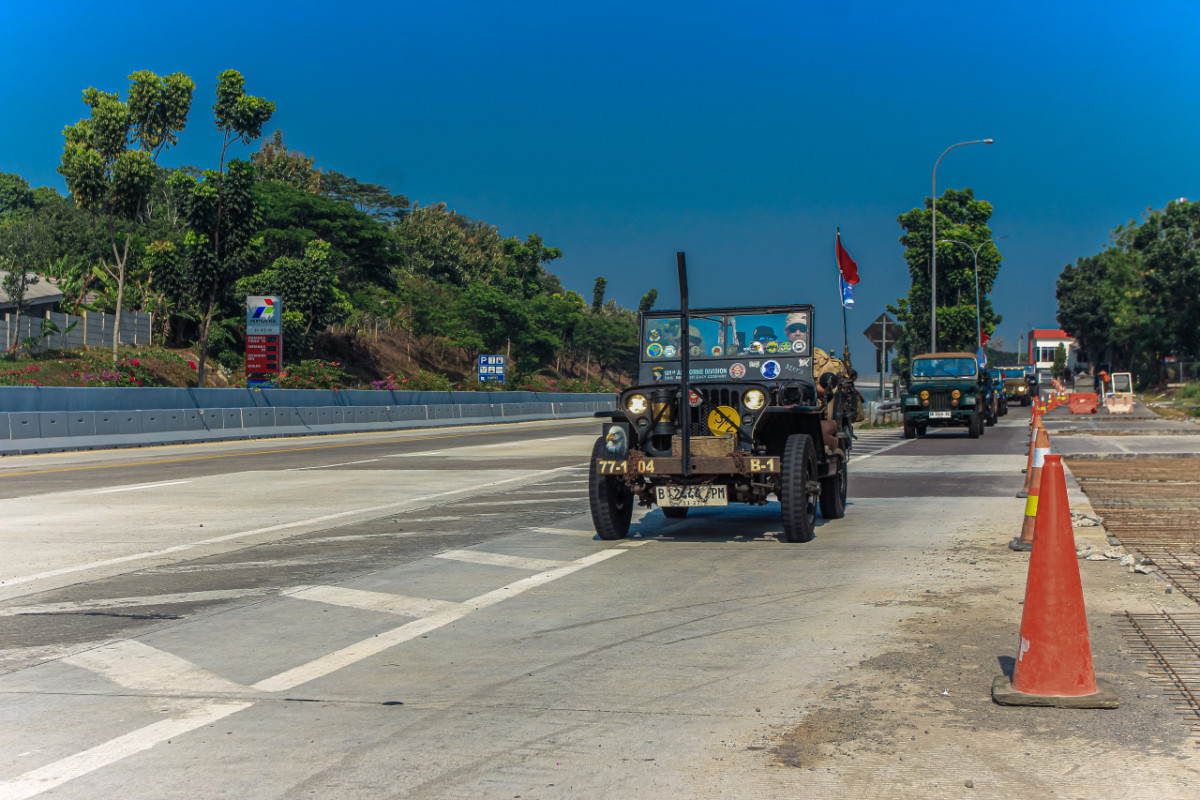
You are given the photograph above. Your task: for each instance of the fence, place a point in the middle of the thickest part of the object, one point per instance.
(1182, 371)
(93, 329)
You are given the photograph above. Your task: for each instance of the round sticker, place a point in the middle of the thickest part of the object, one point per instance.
(716, 351)
(770, 369)
(669, 351)
(799, 346)
(721, 420)
(654, 335)
(695, 350)
(772, 347)
(654, 350)
(737, 370)
(756, 347)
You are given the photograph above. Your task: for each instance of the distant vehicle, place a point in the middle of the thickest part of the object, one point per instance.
(1018, 385)
(996, 381)
(946, 390)
(745, 413)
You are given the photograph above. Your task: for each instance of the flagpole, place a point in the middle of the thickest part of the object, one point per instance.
(842, 298)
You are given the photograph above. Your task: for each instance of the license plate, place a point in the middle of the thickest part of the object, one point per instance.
(939, 415)
(681, 496)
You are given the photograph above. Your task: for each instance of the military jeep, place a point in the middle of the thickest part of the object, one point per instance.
(946, 390)
(1017, 385)
(726, 409)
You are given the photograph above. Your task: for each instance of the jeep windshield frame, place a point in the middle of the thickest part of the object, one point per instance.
(750, 342)
(957, 368)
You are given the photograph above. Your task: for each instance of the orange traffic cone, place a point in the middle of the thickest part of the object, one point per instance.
(1033, 482)
(1054, 653)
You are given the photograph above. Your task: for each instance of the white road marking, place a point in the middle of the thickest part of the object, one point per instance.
(499, 560)
(431, 519)
(564, 532)
(143, 668)
(509, 502)
(327, 466)
(139, 486)
(66, 769)
(366, 648)
(522, 443)
(415, 455)
(371, 601)
(553, 490)
(864, 456)
(134, 602)
(179, 548)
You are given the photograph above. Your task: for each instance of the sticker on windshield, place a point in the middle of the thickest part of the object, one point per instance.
(770, 369)
(654, 350)
(737, 370)
(772, 347)
(716, 351)
(654, 335)
(799, 346)
(669, 351)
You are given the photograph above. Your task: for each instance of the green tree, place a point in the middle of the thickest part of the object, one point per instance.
(648, 301)
(445, 246)
(108, 159)
(14, 193)
(275, 162)
(1060, 361)
(523, 272)
(309, 288)
(371, 199)
(598, 293)
(219, 209)
(963, 218)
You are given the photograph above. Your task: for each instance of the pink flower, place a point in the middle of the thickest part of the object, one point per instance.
(136, 363)
(192, 364)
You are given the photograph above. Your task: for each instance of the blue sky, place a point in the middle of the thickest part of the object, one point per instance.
(743, 134)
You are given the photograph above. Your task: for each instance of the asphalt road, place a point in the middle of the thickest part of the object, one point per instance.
(428, 614)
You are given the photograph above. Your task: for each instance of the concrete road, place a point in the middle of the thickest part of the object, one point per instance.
(428, 615)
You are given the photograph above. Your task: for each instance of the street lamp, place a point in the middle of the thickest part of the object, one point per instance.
(933, 270)
(975, 254)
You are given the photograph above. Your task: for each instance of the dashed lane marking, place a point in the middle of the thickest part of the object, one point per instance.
(564, 532)
(500, 560)
(142, 668)
(135, 602)
(329, 466)
(371, 601)
(509, 502)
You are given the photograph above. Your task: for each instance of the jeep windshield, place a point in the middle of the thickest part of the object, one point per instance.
(712, 336)
(944, 368)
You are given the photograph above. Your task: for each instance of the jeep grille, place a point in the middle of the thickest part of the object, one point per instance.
(939, 400)
(710, 399)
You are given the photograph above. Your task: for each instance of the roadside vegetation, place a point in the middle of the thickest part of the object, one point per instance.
(1177, 401)
(363, 272)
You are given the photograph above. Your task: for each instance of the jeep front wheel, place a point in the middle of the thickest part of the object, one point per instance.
(975, 426)
(610, 499)
(833, 490)
(910, 429)
(799, 505)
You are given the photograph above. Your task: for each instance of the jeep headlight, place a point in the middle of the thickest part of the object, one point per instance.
(636, 404)
(754, 399)
(924, 394)
(956, 394)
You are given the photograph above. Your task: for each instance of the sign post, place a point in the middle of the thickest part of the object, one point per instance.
(882, 333)
(264, 339)
(491, 368)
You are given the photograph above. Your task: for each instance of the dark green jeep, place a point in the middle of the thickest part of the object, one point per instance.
(946, 390)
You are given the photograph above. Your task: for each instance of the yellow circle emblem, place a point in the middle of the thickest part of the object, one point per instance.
(722, 420)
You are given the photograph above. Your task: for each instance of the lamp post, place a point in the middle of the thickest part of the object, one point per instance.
(975, 254)
(933, 270)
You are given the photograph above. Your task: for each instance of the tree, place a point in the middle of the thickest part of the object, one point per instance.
(108, 159)
(963, 218)
(219, 208)
(448, 247)
(371, 199)
(275, 162)
(14, 193)
(1060, 361)
(648, 300)
(523, 272)
(598, 293)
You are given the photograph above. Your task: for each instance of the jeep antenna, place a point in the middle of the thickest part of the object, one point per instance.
(685, 407)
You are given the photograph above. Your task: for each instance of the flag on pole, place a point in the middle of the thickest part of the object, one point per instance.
(846, 264)
(847, 294)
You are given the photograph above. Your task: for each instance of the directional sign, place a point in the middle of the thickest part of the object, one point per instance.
(881, 327)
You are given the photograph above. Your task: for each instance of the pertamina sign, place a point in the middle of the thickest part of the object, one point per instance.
(264, 335)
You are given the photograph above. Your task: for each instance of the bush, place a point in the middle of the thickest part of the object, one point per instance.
(312, 374)
(98, 370)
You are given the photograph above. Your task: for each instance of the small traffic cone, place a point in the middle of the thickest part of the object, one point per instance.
(1033, 482)
(1054, 654)
(1033, 434)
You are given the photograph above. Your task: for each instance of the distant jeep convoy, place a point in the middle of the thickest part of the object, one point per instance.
(948, 390)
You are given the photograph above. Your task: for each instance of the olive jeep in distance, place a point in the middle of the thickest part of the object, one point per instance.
(750, 420)
(946, 390)
(1018, 386)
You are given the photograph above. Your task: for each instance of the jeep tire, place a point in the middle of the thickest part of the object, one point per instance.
(910, 428)
(833, 490)
(799, 507)
(975, 425)
(609, 497)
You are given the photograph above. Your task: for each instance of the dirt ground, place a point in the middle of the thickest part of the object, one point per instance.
(919, 721)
